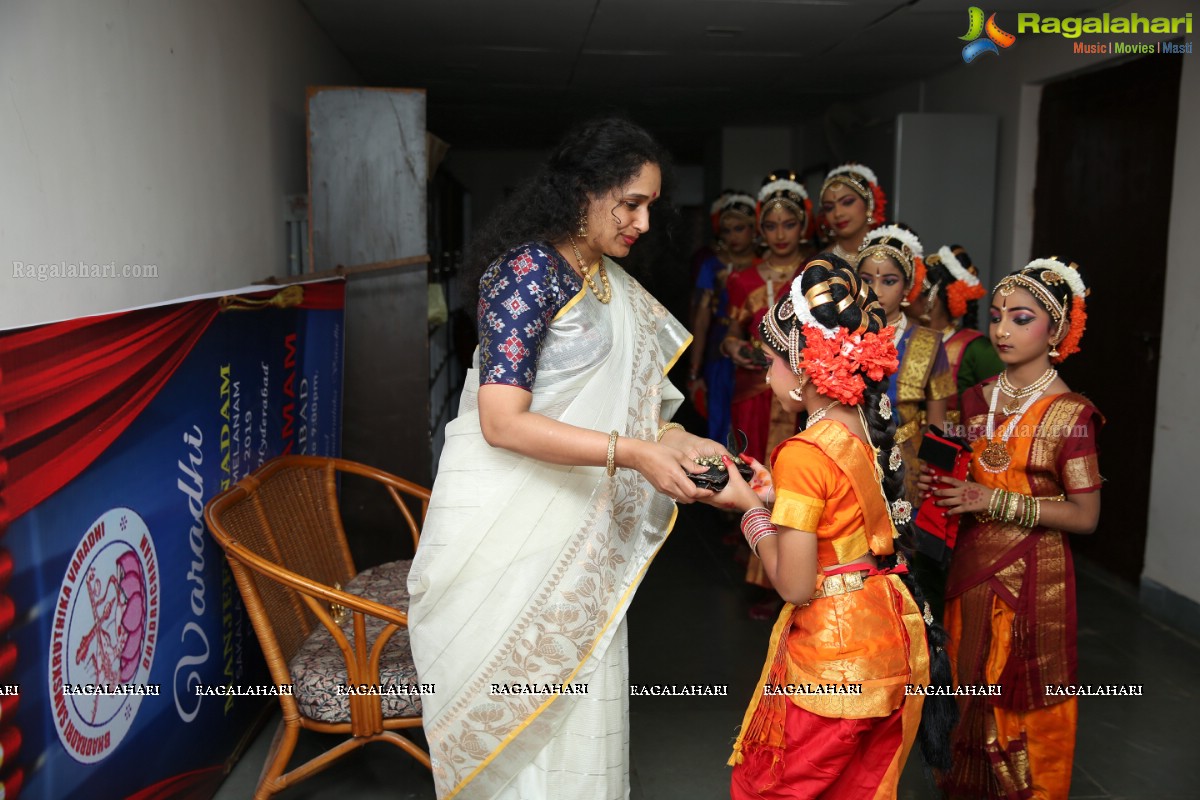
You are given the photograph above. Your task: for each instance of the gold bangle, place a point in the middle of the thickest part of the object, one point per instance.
(666, 427)
(612, 454)
(994, 502)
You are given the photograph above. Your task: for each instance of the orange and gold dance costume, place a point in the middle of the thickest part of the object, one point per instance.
(862, 628)
(1011, 609)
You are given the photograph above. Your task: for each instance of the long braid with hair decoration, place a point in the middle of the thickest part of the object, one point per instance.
(839, 299)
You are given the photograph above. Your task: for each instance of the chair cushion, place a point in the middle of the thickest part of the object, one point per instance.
(319, 671)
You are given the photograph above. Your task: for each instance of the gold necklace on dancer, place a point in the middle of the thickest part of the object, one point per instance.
(1018, 395)
(737, 263)
(849, 258)
(819, 415)
(778, 275)
(604, 296)
(784, 272)
(995, 458)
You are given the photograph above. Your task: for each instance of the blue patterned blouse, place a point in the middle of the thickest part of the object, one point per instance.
(519, 294)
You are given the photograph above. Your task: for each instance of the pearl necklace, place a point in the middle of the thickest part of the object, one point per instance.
(818, 415)
(604, 296)
(995, 458)
(1037, 387)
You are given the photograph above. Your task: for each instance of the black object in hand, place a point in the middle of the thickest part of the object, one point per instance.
(938, 451)
(716, 477)
(755, 356)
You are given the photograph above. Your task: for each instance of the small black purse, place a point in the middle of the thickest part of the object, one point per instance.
(716, 477)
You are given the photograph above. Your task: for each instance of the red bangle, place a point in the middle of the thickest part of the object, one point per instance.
(756, 526)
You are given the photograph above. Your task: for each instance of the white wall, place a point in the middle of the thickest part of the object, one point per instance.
(162, 134)
(1009, 86)
(747, 154)
(1173, 548)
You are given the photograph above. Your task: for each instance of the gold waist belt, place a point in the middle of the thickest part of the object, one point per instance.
(842, 583)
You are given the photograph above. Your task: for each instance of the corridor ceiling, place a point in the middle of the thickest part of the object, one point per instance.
(512, 73)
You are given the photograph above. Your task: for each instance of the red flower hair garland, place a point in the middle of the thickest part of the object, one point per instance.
(879, 216)
(918, 279)
(959, 293)
(836, 364)
(1077, 322)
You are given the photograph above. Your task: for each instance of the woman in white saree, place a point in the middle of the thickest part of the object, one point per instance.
(557, 486)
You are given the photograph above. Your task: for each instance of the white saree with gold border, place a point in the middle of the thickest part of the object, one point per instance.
(526, 569)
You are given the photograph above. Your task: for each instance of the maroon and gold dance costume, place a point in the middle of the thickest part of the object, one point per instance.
(1010, 608)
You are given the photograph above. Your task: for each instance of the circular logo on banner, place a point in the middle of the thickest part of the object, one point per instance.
(103, 635)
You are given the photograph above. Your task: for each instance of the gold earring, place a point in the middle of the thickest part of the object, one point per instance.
(583, 224)
(905, 304)
(1054, 351)
(797, 394)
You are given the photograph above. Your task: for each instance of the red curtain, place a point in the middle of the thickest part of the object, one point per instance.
(69, 389)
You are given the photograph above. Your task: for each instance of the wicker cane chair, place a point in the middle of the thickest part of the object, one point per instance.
(322, 626)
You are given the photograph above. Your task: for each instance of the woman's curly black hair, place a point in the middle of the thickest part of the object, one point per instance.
(593, 159)
(940, 712)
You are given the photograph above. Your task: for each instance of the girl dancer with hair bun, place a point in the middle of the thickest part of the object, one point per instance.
(784, 213)
(1011, 591)
(852, 202)
(890, 263)
(710, 372)
(831, 717)
(949, 302)
(784, 219)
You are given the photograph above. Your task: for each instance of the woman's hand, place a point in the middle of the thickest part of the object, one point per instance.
(665, 466)
(733, 348)
(959, 497)
(737, 494)
(693, 446)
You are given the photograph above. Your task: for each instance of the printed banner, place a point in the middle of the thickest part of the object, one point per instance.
(124, 632)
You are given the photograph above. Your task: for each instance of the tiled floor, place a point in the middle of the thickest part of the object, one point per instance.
(688, 625)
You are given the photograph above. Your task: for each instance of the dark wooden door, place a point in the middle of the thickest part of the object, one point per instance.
(1105, 162)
